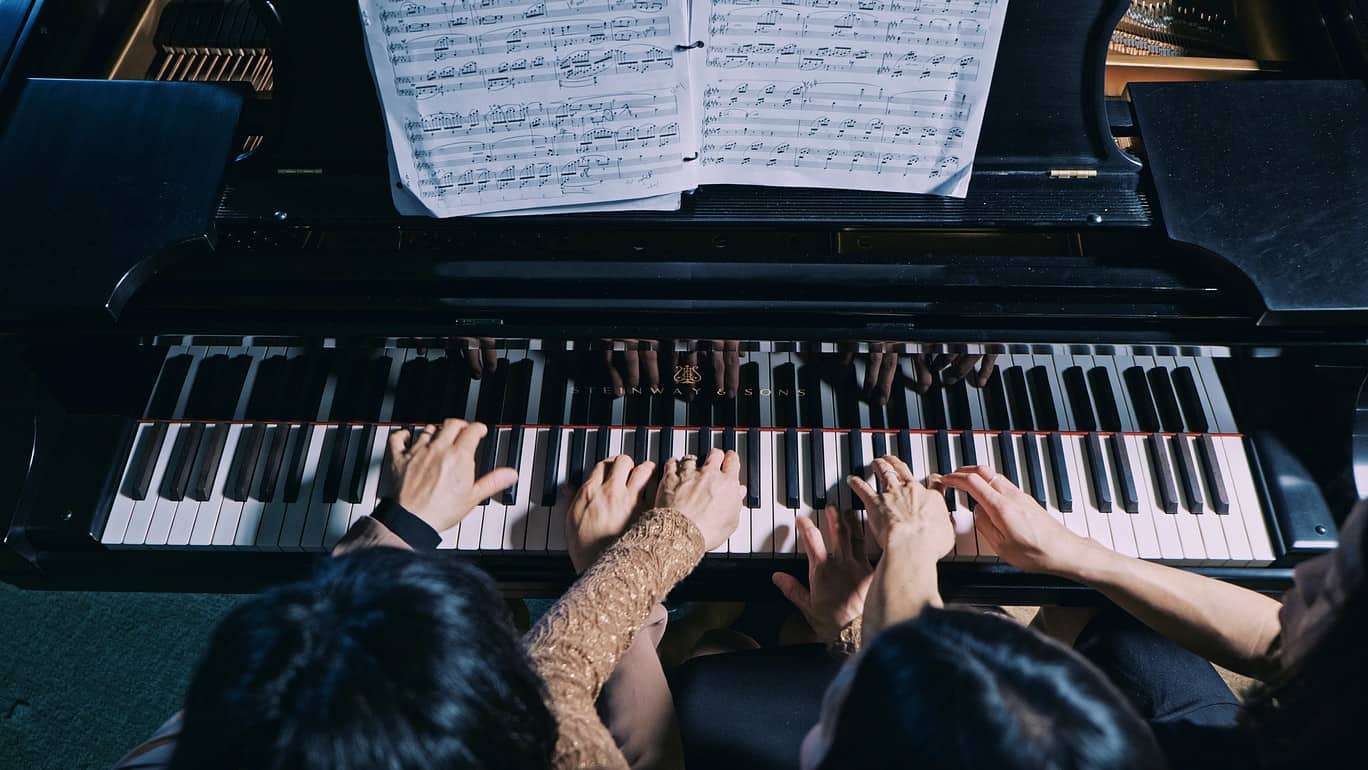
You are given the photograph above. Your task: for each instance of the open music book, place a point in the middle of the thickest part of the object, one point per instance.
(549, 106)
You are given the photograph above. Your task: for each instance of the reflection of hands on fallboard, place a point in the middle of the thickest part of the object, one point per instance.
(542, 106)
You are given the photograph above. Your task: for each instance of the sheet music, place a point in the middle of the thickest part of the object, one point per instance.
(852, 94)
(500, 105)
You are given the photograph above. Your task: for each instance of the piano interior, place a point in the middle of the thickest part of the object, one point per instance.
(1173, 394)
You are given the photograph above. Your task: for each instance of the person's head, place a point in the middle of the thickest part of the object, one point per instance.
(959, 689)
(1316, 706)
(385, 658)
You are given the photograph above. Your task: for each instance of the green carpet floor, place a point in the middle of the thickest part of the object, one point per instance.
(86, 676)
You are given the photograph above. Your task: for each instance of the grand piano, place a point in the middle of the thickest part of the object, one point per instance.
(1149, 311)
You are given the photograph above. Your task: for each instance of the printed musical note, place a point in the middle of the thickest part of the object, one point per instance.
(501, 105)
(855, 94)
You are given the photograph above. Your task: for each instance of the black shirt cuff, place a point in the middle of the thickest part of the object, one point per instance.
(418, 534)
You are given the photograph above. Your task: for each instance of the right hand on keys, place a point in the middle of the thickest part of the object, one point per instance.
(710, 495)
(906, 506)
(435, 476)
(1014, 524)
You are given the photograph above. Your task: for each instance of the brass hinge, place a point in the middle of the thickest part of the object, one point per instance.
(1073, 173)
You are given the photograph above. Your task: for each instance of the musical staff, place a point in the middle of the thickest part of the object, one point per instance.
(873, 94)
(501, 105)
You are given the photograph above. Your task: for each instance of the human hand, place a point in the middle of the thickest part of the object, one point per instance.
(603, 507)
(905, 510)
(1021, 532)
(710, 495)
(839, 574)
(436, 475)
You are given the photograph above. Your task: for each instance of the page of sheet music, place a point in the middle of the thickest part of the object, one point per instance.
(501, 105)
(853, 94)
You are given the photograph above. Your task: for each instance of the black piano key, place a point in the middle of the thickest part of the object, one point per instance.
(1163, 477)
(943, 463)
(1142, 400)
(138, 480)
(1060, 470)
(207, 461)
(1130, 502)
(1076, 390)
(182, 461)
(1008, 464)
(880, 441)
(1211, 471)
(512, 459)
(933, 409)
(905, 448)
(1097, 470)
(791, 480)
(995, 401)
(957, 403)
(729, 439)
(1108, 410)
(576, 463)
(817, 458)
(336, 460)
(704, 441)
(968, 455)
(1190, 401)
(602, 438)
(1042, 399)
(753, 439)
(294, 468)
(551, 461)
(1034, 470)
(170, 383)
(1165, 399)
(855, 441)
(641, 440)
(276, 439)
(1187, 474)
(665, 449)
(362, 444)
(1018, 398)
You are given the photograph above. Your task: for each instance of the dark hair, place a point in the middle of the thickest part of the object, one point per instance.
(384, 659)
(960, 689)
(1311, 713)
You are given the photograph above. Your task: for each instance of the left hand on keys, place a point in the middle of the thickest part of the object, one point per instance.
(603, 508)
(839, 573)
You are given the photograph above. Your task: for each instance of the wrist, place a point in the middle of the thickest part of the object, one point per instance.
(907, 541)
(1084, 560)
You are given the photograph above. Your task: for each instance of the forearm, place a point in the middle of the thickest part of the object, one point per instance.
(636, 705)
(1229, 625)
(578, 643)
(905, 583)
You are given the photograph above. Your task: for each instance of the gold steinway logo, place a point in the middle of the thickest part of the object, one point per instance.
(687, 374)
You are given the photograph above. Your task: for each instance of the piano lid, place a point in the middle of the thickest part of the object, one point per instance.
(1272, 176)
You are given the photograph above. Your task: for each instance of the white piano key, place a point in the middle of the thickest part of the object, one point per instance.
(1165, 525)
(1142, 522)
(555, 538)
(1077, 519)
(1233, 524)
(966, 540)
(495, 520)
(1085, 497)
(1241, 480)
(842, 471)
(163, 511)
(739, 542)
(986, 448)
(785, 518)
(267, 534)
(121, 510)
(805, 508)
(838, 491)
(517, 517)
(1123, 534)
(1209, 522)
(1189, 528)
(378, 457)
(538, 515)
(340, 511)
(763, 523)
(295, 526)
(218, 513)
(867, 445)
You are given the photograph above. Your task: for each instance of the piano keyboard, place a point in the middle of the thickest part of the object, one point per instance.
(281, 449)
